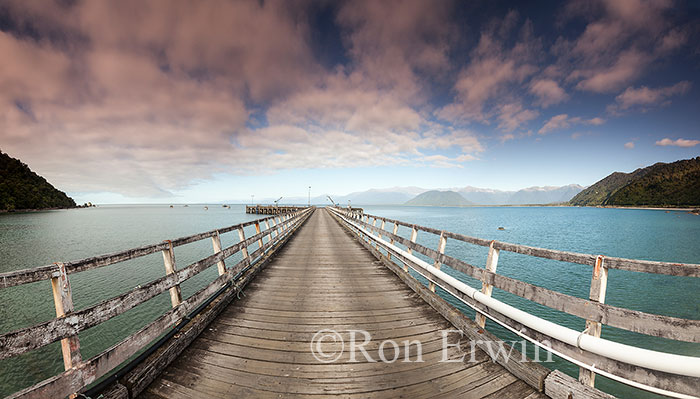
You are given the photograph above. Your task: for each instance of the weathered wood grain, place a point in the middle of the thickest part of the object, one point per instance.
(558, 385)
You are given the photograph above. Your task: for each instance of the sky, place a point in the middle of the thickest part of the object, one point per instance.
(182, 101)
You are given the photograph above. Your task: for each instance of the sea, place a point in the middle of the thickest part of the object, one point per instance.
(35, 239)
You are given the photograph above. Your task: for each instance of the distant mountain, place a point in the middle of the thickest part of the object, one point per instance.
(20, 188)
(530, 195)
(438, 198)
(544, 195)
(661, 184)
(399, 195)
(392, 196)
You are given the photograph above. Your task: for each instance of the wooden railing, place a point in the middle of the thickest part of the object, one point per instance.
(69, 322)
(672, 375)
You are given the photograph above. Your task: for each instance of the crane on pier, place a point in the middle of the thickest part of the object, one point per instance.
(276, 202)
(331, 200)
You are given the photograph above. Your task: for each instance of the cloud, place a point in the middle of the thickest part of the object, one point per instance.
(677, 143)
(645, 97)
(563, 121)
(621, 39)
(392, 52)
(146, 103)
(629, 145)
(511, 116)
(548, 92)
(494, 70)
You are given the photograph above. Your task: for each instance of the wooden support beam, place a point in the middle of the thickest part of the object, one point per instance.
(63, 301)
(374, 224)
(599, 283)
(396, 230)
(216, 243)
(486, 288)
(257, 231)
(269, 232)
(241, 236)
(169, 262)
(414, 235)
(441, 250)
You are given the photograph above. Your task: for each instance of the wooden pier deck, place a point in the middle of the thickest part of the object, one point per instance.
(253, 330)
(259, 346)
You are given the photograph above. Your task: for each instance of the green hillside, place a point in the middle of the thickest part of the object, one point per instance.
(439, 198)
(20, 188)
(673, 184)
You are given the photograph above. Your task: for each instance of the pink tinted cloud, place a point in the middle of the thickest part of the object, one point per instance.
(563, 121)
(494, 71)
(645, 96)
(158, 95)
(548, 92)
(684, 143)
(621, 40)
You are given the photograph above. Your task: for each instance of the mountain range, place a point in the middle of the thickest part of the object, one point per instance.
(474, 195)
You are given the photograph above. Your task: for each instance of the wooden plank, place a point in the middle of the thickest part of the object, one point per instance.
(558, 385)
(441, 250)
(599, 283)
(486, 288)
(257, 231)
(169, 262)
(216, 243)
(63, 302)
(241, 237)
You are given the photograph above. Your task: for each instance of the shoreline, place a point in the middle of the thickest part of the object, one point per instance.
(653, 208)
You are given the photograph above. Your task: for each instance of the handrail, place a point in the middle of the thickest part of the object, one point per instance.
(668, 374)
(24, 276)
(635, 265)
(66, 326)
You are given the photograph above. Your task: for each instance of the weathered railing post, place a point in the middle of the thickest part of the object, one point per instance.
(394, 231)
(379, 234)
(244, 248)
(599, 283)
(414, 235)
(486, 288)
(169, 262)
(374, 224)
(269, 232)
(278, 225)
(63, 300)
(441, 250)
(257, 231)
(216, 243)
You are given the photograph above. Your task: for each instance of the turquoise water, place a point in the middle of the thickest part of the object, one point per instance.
(40, 238)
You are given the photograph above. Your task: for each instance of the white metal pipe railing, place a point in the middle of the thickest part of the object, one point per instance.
(655, 360)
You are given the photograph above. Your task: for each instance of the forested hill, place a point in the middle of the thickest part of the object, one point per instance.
(20, 188)
(661, 184)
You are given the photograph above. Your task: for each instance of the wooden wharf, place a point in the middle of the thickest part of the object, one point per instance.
(253, 331)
